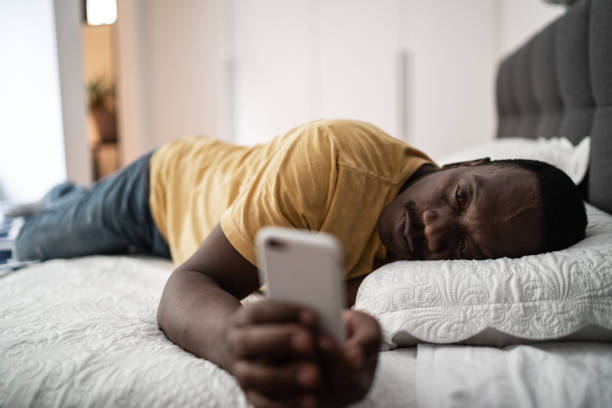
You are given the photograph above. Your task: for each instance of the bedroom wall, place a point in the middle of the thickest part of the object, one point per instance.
(246, 70)
(42, 108)
(31, 142)
(170, 72)
(520, 19)
(401, 64)
(183, 72)
(454, 49)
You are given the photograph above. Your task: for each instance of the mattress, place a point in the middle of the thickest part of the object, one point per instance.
(83, 332)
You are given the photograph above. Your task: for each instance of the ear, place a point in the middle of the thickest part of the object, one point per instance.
(469, 163)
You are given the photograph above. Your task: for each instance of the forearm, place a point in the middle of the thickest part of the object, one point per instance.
(193, 311)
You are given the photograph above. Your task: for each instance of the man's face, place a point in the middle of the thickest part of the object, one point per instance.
(465, 212)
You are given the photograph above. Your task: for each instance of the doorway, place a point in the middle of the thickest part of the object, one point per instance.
(98, 30)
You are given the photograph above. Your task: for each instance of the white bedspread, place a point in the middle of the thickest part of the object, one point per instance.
(545, 375)
(83, 332)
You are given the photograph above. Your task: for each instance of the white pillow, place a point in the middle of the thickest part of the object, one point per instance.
(573, 160)
(501, 301)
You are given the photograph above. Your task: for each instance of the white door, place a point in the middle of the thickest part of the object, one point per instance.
(422, 70)
(360, 47)
(273, 67)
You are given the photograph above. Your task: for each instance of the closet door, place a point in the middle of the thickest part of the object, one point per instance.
(421, 70)
(272, 67)
(303, 60)
(453, 47)
(360, 67)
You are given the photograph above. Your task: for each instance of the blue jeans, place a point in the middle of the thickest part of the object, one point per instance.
(111, 216)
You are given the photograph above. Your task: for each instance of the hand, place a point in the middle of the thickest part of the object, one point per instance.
(348, 370)
(271, 351)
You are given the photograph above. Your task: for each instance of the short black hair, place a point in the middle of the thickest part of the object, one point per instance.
(564, 217)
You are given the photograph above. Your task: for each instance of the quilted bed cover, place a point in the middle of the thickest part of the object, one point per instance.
(83, 332)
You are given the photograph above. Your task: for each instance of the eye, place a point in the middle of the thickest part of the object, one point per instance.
(460, 196)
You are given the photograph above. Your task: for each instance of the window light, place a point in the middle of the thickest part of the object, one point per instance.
(101, 11)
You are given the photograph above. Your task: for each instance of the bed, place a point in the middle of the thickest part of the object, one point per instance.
(82, 332)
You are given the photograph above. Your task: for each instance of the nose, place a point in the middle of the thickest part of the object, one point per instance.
(440, 227)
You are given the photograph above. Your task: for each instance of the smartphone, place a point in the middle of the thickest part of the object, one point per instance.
(306, 268)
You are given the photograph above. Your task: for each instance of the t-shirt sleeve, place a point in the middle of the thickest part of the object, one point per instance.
(292, 189)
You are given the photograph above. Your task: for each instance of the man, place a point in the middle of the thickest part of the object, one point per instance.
(202, 201)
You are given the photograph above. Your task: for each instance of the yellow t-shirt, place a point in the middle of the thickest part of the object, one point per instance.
(330, 175)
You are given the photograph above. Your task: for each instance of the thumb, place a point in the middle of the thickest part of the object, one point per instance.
(363, 331)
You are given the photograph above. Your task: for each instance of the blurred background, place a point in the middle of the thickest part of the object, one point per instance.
(89, 85)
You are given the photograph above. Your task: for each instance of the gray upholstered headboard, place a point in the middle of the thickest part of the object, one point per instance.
(560, 84)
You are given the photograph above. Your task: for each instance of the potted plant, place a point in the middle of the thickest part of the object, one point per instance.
(100, 95)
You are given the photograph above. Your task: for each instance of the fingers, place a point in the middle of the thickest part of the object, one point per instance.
(346, 381)
(363, 342)
(274, 381)
(261, 401)
(331, 350)
(339, 359)
(270, 329)
(359, 353)
(282, 386)
(281, 359)
(269, 311)
(271, 341)
(363, 332)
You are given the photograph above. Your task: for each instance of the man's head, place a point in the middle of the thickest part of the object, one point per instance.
(483, 209)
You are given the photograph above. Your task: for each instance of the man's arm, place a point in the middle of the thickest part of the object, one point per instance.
(202, 293)
(270, 347)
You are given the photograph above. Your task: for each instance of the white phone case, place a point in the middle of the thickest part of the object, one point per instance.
(304, 267)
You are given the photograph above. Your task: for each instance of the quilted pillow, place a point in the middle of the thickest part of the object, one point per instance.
(562, 294)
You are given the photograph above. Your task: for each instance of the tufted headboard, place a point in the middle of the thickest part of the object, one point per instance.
(560, 84)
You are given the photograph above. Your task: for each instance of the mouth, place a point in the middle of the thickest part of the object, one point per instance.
(401, 237)
(410, 233)
(406, 232)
